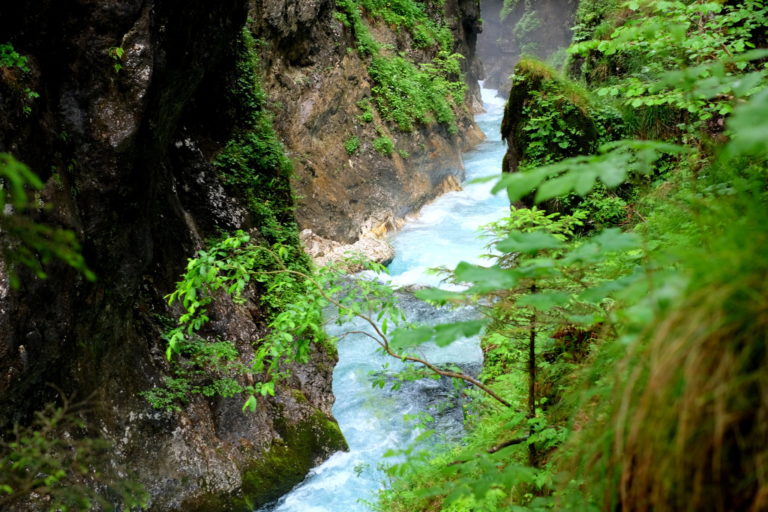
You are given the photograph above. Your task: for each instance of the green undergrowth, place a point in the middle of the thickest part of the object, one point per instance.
(17, 76)
(57, 463)
(551, 117)
(253, 167)
(627, 333)
(405, 92)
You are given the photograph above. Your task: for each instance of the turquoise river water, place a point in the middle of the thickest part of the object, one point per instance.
(444, 234)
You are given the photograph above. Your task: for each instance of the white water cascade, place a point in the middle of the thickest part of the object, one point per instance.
(444, 234)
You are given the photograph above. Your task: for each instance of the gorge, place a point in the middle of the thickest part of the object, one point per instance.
(176, 176)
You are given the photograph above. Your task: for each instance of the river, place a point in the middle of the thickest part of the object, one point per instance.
(372, 420)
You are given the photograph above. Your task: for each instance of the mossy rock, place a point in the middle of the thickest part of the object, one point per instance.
(539, 92)
(549, 118)
(286, 463)
(283, 465)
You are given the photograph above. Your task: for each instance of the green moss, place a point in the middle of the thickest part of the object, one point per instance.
(287, 462)
(549, 118)
(299, 396)
(279, 468)
(253, 167)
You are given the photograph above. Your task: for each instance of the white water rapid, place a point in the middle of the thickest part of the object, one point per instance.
(445, 233)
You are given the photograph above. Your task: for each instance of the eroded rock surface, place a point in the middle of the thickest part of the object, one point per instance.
(126, 156)
(537, 28)
(315, 81)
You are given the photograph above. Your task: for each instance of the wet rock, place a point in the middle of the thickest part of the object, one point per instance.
(126, 156)
(324, 251)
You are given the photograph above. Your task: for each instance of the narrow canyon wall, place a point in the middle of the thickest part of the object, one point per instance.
(538, 28)
(124, 144)
(315, 81)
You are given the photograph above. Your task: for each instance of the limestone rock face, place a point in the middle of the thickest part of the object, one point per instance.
(315, 82)
(324, 251)
(125, 154)
(539, 28)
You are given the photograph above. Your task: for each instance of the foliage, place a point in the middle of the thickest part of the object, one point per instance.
(254, 166)
(55, 463)
(407, 93)
(649, 344)
(549, 118)
(529, 23)
(351, 145)
(367, 108)
(253, 162)
(384, 145)
(24, 241)
(712, 39)
(213, 367)
(412, 16)
(10, 59)
(352, 17)
(117, 52)
(507, 7)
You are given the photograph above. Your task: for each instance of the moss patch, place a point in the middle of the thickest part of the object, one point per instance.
(547, 118)
(286, 463)
(280, 467)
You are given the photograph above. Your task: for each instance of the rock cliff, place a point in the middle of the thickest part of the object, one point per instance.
(316, 83)
(148, 151)
(538, 29)
(124, 142)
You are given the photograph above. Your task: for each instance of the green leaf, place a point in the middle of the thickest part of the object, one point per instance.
(405, 337)
(613, 175)
(749, 125)
(485, 279)
(557, 187)
(544, 301)
(250, 404)
(614, 240)
(437, 296)
(520, 184)
(445, 334)
(529, 242)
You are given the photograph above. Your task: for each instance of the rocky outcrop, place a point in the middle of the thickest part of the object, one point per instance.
(315, 81)
(124, 143)
(324, 252)
(539, 29)
(537, 90)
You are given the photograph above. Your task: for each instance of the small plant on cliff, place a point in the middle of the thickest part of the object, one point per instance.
(10, 58)
(367, 108)
(216, 367)
(116, 52)
(384, 145)
(54, 464)
(409, 95)
(351, 145)
(406, 93)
